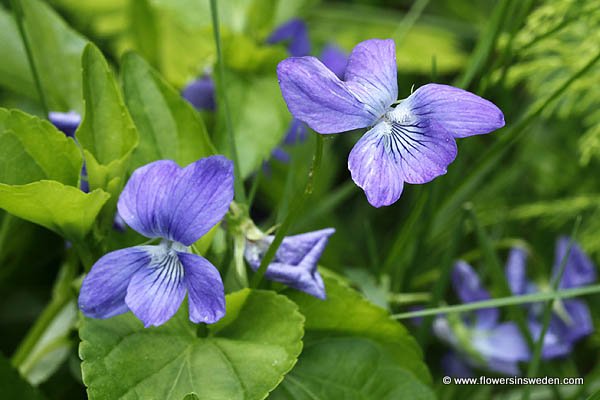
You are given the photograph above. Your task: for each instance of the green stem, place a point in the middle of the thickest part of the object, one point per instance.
(409, 298)
(19, 16)
(327, 205)
(295, 209)
(86, 256)
(202, 330)
(4, 228)
(409, 20)
(502, 302)
(254, 187)
(240, 193)
(239, 243)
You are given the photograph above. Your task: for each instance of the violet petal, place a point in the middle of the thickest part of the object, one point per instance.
(516, 269)
(104, 288)
(460, 112)
(66, 122)
(205, 289)
(504, 342)
(317, 97)
(155, 292)
(293, 32)
(163, 200)
(375, 169)
(371, 74)
(295, 263)
(201, 93)
(468, 287)
(579, 268)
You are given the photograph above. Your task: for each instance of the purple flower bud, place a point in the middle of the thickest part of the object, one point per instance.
(295, 262)
(65, 122)
(293, 32)
(201, 93)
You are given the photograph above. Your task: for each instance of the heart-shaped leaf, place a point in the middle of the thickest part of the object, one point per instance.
(243, 356)
(353, 350)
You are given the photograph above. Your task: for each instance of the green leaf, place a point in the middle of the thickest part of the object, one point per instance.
(244, 356)
(169, 127)
(353, 349)
(349, 368)
(32, 149)
(56, 50)
(184, 39)
(14, 68)
(39, 174)
(259, 17)
(107, 132)
(143, 26)
(242, 54)
(13, 385)
(259, 115)
(185, 42)
(64, 209)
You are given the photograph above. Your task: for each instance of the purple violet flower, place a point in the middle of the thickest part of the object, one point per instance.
(571, 319)
(178, 205)
(293, 32)
(66, 122)
(412, 143)
(201, 93)
(295, 263)
(479, 338)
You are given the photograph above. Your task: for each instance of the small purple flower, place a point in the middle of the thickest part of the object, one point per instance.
(571, 319)
(66, 122)
(295, 263)
(178, 205)
(480, 339)
(293, 32)
(412, 143)
(201, 93)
